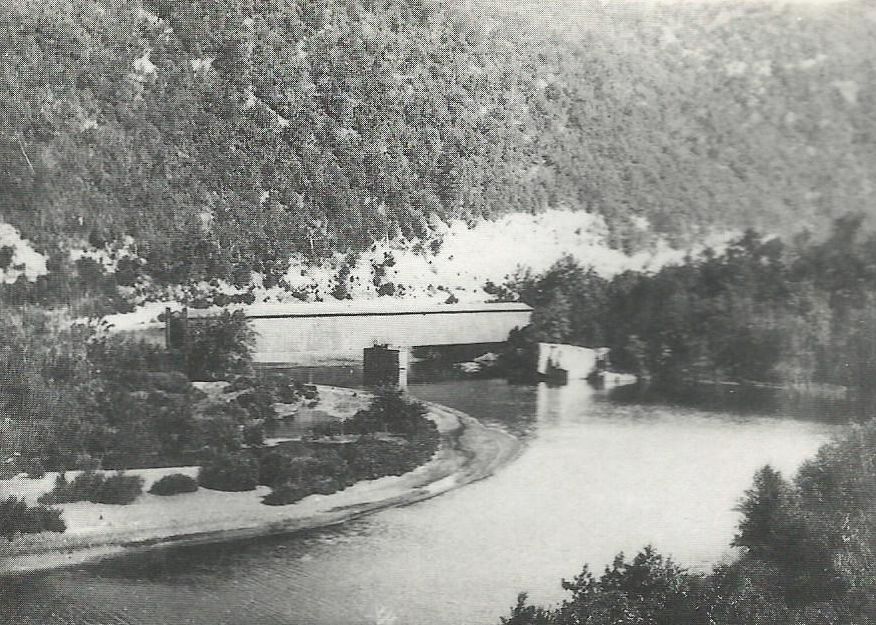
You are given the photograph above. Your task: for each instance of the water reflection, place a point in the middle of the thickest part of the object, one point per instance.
(751, 400)
(555, 404)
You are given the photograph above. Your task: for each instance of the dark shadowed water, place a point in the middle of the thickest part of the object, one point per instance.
(598, 474)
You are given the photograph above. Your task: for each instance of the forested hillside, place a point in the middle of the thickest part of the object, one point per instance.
(225, 136)
(762, 310)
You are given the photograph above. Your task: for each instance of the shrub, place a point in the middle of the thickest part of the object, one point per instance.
(78, 490)
(174, 484)
(219, 426)
(16, 517)
(119, 489)
(174, 382)
(282, 388)
(229, 472)
(277, 467)
(258, 403)
(240, 383)
(95, 487)
(285, 494)
(369, 459)
(8, 470)
(273, 468)
(390, 411)
(254, 434)
(309, 391)
(85, 462)
(328, 428)
(292, 491)
(296, 476)
(35, 469)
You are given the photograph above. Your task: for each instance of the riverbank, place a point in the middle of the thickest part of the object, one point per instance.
(468, 451)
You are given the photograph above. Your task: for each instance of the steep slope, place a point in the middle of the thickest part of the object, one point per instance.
(226, 137)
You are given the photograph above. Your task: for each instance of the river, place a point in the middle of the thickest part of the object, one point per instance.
(598, 473)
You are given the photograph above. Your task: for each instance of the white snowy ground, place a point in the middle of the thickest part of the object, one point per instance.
(467, 259)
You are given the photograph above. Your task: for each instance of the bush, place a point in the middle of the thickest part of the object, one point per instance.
(390, 411)
(8, 470)
(285, 494)
(85, 462)
(294, 477)
(35, 469)
(174, 382)
(370, 459)
(276, 467)
(309, 391)
(283, 388)
(119, 489)
(77, 490)
(16, 517)
(240, 383)
(273, 468)
(292, 491)
(254, 434)
(219, 426)
(328, 428)
(258, 403)
(174, 484)
(229, 472)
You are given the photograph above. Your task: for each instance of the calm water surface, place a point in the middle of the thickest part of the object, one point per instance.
(598, 474)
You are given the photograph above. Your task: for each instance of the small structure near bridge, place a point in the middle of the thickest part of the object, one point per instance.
(558, 362)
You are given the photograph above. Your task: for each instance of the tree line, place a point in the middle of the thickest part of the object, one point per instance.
(760, 310)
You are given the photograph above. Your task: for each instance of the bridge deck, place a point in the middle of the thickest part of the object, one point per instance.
(295, 332)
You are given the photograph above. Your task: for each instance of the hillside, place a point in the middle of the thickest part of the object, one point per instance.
(222, 139)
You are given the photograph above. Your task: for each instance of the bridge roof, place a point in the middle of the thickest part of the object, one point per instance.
(362, 308)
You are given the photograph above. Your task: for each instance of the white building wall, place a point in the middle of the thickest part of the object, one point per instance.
(579, 362)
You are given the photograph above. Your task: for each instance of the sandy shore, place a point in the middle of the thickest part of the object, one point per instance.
(468, 451)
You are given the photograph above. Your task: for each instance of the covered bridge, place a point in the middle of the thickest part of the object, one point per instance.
(305, 333)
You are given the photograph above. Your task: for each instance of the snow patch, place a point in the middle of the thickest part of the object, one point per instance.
(454, 265)
(24, 260)
(848, 89)
(469, 256)
(807, 64)
(148, 16)
(144, 66)
(735, 68)
(108, 257)
(202, 66)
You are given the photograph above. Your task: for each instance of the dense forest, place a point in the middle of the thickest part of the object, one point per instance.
(199, 140)
(761, 310)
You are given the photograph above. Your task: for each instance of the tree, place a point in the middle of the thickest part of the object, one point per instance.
(770, 524)
(775, 530)
(525, 614)
(552, 323)
(220, 346)
(649, 590)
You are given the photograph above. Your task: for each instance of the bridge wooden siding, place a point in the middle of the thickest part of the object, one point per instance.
(306, 333)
